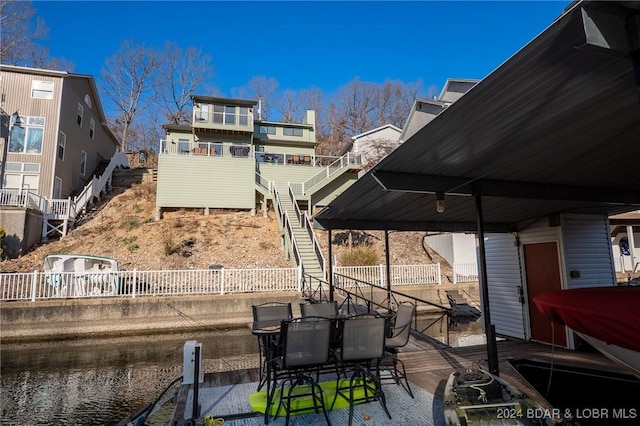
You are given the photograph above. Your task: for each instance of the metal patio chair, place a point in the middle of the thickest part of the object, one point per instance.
(398, 338)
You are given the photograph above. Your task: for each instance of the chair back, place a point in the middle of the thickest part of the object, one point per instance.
(271, 314)
(402, 327)
(322, 309)
(306, 342)
(362, 338)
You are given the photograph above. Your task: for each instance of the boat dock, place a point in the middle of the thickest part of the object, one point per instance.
(428, 364)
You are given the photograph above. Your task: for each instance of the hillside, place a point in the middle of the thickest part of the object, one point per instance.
(122, 227)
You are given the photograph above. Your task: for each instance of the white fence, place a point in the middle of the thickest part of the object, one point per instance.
(400, 274)
(51, 285)
(54, 285)
(465, 272)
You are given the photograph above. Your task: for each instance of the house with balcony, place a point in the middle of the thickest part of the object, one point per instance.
(230, 159)
(54, 141)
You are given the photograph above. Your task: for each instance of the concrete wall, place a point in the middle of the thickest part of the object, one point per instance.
(23, 229)
(85, 318)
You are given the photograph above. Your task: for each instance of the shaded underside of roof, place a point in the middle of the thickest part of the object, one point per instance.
(555, 129)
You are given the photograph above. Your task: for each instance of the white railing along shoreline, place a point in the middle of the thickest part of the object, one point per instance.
(37, 285)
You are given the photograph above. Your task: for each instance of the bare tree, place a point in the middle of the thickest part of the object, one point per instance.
(128, 83)
(182, 73)
(20, 30)
(289, 107)
(263, 89)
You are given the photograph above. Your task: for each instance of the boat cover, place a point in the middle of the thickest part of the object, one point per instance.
(611, 314)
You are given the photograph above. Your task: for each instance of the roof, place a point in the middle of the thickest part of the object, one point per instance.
(215, 99)
(347, 147)
(64, 74)
(553, 130)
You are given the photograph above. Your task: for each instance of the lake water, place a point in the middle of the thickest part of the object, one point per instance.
(101, 382)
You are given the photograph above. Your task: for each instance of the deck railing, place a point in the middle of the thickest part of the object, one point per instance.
(22, 198)
(465, 272)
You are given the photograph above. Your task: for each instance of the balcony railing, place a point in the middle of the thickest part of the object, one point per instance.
(207, 149)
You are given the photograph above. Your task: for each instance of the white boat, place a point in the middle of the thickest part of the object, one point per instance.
(74, 275)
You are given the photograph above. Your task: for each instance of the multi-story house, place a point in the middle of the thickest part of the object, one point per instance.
(53, 140)
(54, 133)
(229, 159)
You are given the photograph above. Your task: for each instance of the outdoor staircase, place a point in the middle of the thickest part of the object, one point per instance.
(311, 264)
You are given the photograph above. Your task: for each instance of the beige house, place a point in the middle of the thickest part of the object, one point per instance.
(54, 134)
(230, 159)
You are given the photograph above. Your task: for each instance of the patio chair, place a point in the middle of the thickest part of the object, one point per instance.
(305, 348)
(321, 309)
(361, 349)
(269, 315)
(398, 338)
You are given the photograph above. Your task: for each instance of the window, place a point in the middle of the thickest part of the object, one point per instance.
(243, 117)
(42, 89)
(22, 176)
(292, 131)
(231, 115)
(183, 146)
(62, 143)
(26, 135)
(203, 114)
(87, 100)
(80, 112)
(83, 163)
(92, 128)
(57, 188)
(268, 130)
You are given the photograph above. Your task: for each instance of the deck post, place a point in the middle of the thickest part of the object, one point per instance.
(492, 347)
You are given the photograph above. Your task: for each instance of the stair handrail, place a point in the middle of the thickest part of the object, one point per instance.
(316, 246)
(285, 223)
(95, 187)
(344, 161)
(295, 206)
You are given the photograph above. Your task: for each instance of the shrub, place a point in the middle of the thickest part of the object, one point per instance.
(3, 233)
(361, 256)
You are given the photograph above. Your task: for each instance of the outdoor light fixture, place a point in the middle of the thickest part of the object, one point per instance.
(440, 202)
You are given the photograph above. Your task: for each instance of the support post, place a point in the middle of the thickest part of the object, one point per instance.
(388, 263)
(330, 268)
(492, 347)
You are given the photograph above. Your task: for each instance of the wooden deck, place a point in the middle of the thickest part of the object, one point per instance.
(429, 365)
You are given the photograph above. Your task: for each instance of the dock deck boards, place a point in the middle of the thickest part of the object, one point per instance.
(429, 365)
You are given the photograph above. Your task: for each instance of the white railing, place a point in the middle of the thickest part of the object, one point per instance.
(465, 272)
(344, 161)
(22, 198)
(400, 274)
(56, 285)
(97, 185)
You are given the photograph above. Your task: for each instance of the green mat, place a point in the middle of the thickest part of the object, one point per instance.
(258, 400)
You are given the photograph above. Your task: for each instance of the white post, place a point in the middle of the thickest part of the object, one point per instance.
(631, 250)
(34, 285)
(381, 280)
(222, 281)
(299, 274)
(135, 280)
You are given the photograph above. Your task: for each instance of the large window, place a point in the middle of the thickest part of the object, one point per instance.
(42, 89)
(203, 114)
(26, 135)
(92, 128)
(21, 176)
(57, 188)
(231, 115)
(83, 163)
(183, 146)
(62, 143)
(292, 131)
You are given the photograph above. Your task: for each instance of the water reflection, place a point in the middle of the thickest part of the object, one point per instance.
(101, 382)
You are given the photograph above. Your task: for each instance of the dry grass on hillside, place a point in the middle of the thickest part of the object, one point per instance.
(123, 228)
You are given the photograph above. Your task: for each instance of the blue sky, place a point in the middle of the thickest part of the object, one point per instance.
(305, 44)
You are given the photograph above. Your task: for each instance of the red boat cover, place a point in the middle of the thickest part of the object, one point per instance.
(611, 314)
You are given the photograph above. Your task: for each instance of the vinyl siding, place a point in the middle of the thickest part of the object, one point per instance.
(587, 247)
(17, 86)
(504, 277)
(194, 182)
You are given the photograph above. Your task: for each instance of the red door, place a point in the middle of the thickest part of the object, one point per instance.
(543, 274)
